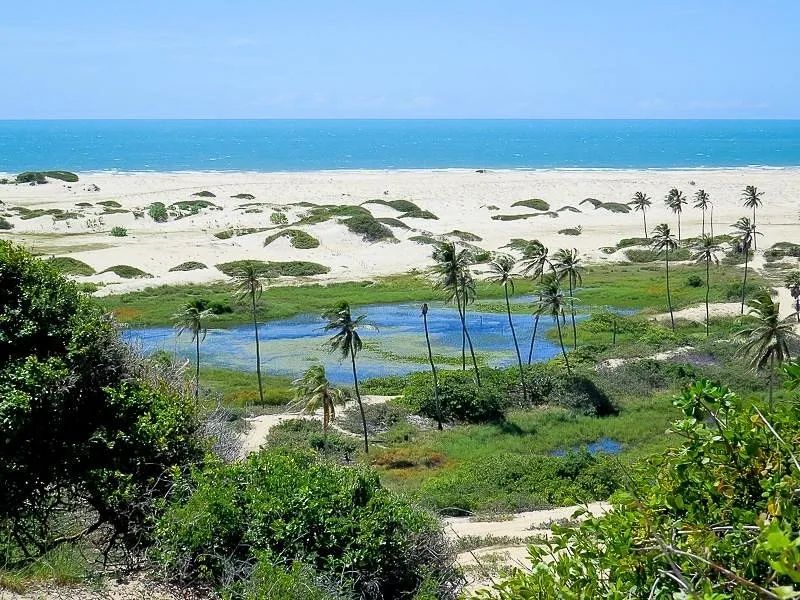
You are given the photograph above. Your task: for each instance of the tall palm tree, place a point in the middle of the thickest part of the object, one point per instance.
(703, 202)
(766, 342)
(192, 318)
(664, 241)
(567, 264)
(452, 268)
(534, 266)
(433, 367)
(675, 201)
(552, 302)
(249, 284)
(641, 202)
(793, 285)
(313, 391)
(752, 199)
(347, 341)
(502, 272)
(744, 236)
(706, 252)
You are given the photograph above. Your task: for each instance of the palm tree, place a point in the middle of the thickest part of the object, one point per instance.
(675, 201)
(641, 202)
(793, 285)
(766, 342)
(502, 269)
(347, 341)
(313, 391)
(248, 284)
(567, 265)
(453, 271)
(664, 241)
(706, 253)
(552, 302)
(703, 202)
(534, 266)
(752, 199)
(744, 236)
(433, 368)
(193, 319)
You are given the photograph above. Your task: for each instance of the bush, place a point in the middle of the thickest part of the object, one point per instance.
(67, 265)
(31, 177)
(204, 194)
(244, 196)
(292, 268)
(191, 265)
(368, 228)
(119, 232)
(297, 238)
(534, 203)
(459, 397)
(288, 507)
(403, 206)
(127, 272)
(158, 212)
(419, 214)
(278, 218)
(380, 418)
(307, 434)
(695, 281)
(85, 423)
(5, 224)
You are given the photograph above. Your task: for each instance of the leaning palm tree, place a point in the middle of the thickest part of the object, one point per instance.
(744, 237)
(502, 272)
(347, 341)
(249, 285)
(641, 202)
(752, 199)
(552, 302)
(675, 201)
(792, 283)
(703, 202)
(766, 342)
(192, 318)
(433, 368)
(567, 264)
(534, 266)
(313, 391)
(664, 241)
(452, 269)
(706, 253)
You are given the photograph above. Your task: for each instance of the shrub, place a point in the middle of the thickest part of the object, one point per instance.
(571, 230)
(419, 214)
(278, 218)
(297, 238)
(392, 222)
(695, 281)
(67, 265)
(31, 177)
(244, 196)
(534, 203)
(119, 232)
(636, 255)
(204, 194)
(109, 204)
(404, 206)
(188, 266)
(292, 268)
(464, 236)
(229, 233)
(287, 507)
(380, 418)
(158, 212)
(368, 227)
(126, 272)
(634, 241)
(551, 214)
(5, 224)
(459, 397)
(526, 247)
(307, 434)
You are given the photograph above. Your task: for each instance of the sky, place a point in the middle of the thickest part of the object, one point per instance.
(400, 59)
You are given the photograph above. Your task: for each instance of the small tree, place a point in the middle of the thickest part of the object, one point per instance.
(706, 253)
(675, 201)
(313, 391)
(641, 202)
(752, 199)
(792, 283)
(567, 264)
(744, 236)
(552, 302)
(433, 368)
(534, 266)
(248, 284)
(193, 319)
(703, 202)
(664, 241)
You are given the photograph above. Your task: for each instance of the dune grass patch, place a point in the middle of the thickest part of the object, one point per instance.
(464, 236)
(551, 214)
(419, 214)
(534, 203)
(191, 265)
(229, 233)
(320, 214)
(41, 176)
(297, 238)
(5, 224)
(127, 272)
(158, 212)
(244, 197)
(204, 194)
(571, 230)
(403, 206)
(292, 268)
(109, 204)
(194, 206)
(615, 207)
(646, 255)
(569, 208)
(425, 239)
(392, 222)
(369, 228)
(70, 266)
(34, 213)
(118, 232)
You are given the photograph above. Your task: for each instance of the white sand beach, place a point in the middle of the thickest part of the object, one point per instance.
(463, 200)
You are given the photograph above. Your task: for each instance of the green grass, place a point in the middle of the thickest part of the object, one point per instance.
(616, 207)
(126, 272)
(419, 214)
(34, 213)
(229, 233)
(392, 222)
(205, 194)
(193, 205)
(569, 208)
(369, 228)
(320, 214)
(645, 255)
(292, 268)
(534, 203)
(550, 214)
(66, 565)
(70, 266)
(403, 206)
(110, 204)
(188, 266)
(244, 196)
(464, 236)
(239, 389)
(424, 239)
(297, 238)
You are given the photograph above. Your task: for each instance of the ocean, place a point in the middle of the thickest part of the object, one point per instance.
(309, 145)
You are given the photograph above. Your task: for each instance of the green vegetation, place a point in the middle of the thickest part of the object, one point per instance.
(158, 212)
(191, 265)
(369, 228)
(297, 238)
(126, 272)
(193, 207)
(5, 224)
(204, 194)
(244, 196)
(229, 233)
(391, 222)
(534, 203)
(419, 214)
(34, 213)
(40, 176)
(292, 268)
(239, 389)
(119, 231)
(569, 208)
(616, 207)
(404, 206)
(571, 230)
(552, 215)
(425, 239)
(67, 265)
(464, 236)
(108, 204)
(320, 214)
(638, 255)
(278, 218)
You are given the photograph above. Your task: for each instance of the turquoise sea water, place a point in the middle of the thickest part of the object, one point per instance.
(299, 145)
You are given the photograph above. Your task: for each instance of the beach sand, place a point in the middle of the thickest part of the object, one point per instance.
(463, 200)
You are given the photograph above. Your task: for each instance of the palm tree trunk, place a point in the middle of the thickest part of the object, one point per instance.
(704, 223)
(533, 336)
(669, 297)
(471, 348)
(197, 368)
(463, 332)
(771, 371)
(435, 378)
(744, 280)
(679, 227)
(516, 347)
(711, 221)
(563, 351)
(258, 351)
(572, 310)
(644, 219)
(708, 289)
(358, 399)
(755, 242)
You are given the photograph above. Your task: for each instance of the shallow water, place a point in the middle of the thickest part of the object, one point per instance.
(601, 446)
(397, 346)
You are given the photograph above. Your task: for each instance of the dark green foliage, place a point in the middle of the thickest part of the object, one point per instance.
(287, 507)
(307, 434)
(534, 203)
(298, 238)
(109, 204)
(616, 207)
(380, 417)
(419, 214)
(193, 206)
(188, 266)
(464, 236)
(244, 196)
(368, 227)
(119, 232)
(34, 213)
(40, 176)
(525, 247)
(293, 268)
(5, 224)
(320, 214)
(460, 398)
(158, 212)
(552, 215)
(81, 426)
(569, 208)
(634, 241)
(229, 233)
(391, 222)
(204, 194)
(278, 218)
(404, 206)
(425, 239)
(269, 582)
(70, 266)
(695, 281)
(571, 230)
(637, 255)
(126, 272)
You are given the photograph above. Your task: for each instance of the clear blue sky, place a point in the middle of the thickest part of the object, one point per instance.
(404, 59)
